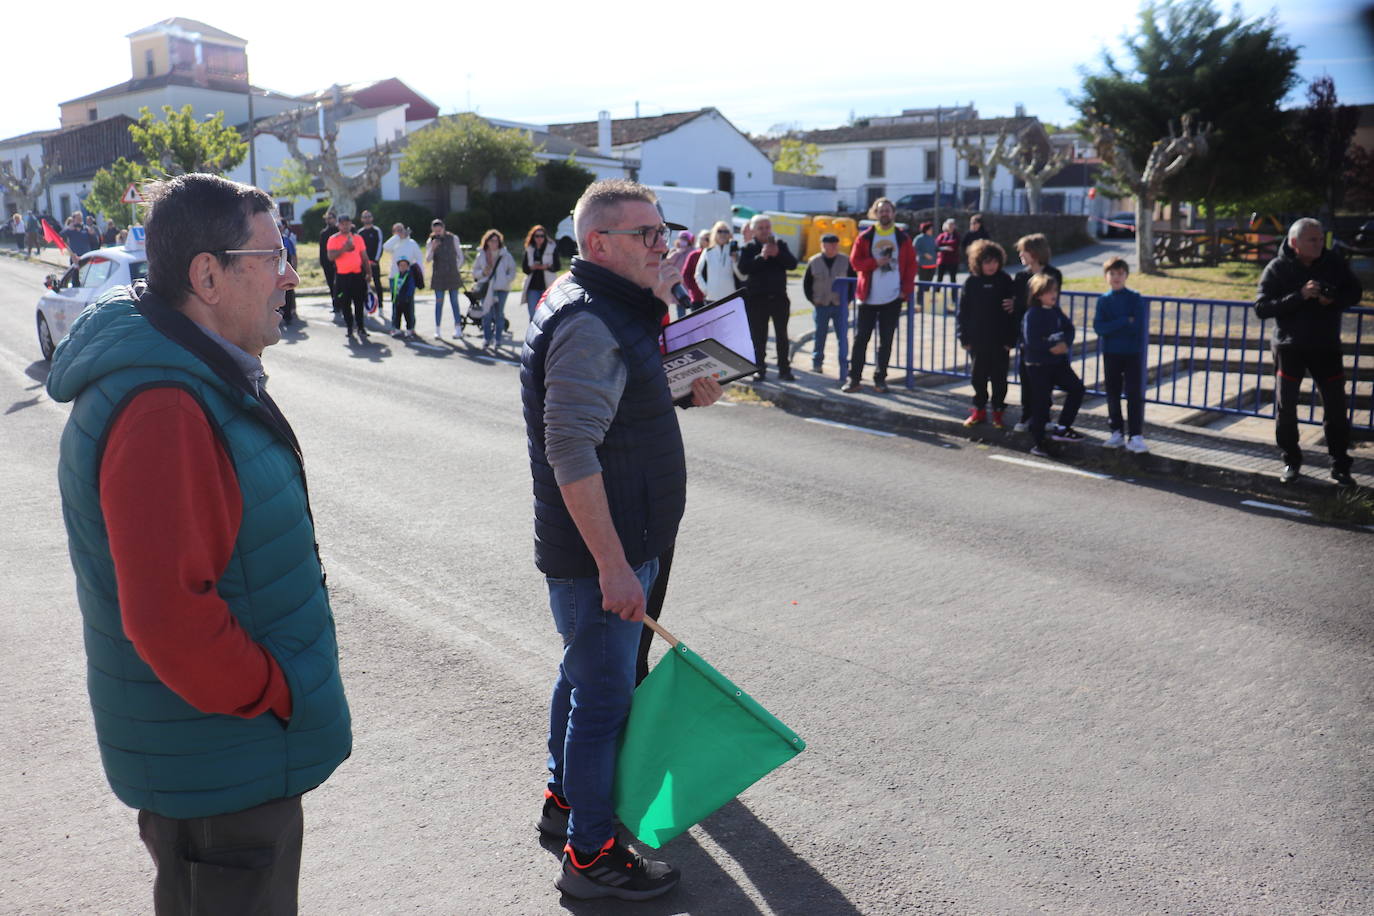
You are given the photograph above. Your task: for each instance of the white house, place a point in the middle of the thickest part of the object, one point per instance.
(910, 155)
(16, 151)
(698, 149)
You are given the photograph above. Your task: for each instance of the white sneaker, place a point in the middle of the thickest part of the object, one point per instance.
(1115, 440)
(1021, 426)
(438, 334)
(1137, 444)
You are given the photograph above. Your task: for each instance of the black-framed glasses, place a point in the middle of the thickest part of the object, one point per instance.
(649, 235)
(279, 252)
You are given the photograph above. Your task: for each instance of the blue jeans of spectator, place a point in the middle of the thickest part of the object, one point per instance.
(1123, 376)
(439, 309)
(591, 700)
(494, 321)
(828, 316)
(532, 297)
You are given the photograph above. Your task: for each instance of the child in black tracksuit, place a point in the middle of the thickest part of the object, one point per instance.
(1048, 335)
(987, 328)
(403, 298)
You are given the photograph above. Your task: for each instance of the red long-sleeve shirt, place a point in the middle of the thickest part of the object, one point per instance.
(172, 510)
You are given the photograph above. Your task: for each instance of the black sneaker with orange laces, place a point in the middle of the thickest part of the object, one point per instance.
(553, 820)
(615, 870)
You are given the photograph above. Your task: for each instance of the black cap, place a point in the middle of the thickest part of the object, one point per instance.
(830, 237)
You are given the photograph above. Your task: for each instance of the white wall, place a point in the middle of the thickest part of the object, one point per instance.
(904, 168)
(691, 155)
(15, 156)
(202, 101)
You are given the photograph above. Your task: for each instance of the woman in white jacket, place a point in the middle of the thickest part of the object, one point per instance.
(541, 265)
(494, 262)
(716, 272)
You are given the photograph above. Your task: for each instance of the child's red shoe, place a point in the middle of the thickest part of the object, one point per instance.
(976, 415)
(997, 421)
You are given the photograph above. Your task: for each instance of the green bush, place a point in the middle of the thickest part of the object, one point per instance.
(312, 222)
(415, 217)
(469, 224)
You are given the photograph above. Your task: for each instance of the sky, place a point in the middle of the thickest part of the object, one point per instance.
(543, 62)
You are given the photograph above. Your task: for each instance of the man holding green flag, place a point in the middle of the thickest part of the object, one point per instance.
(610, 485)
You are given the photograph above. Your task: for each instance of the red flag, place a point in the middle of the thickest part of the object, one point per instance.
(52, 235)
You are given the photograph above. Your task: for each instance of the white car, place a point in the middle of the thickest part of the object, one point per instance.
(67, 296)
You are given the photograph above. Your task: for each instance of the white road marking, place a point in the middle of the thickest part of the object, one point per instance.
(1303, 513)
(857, 429)
(1042, 466)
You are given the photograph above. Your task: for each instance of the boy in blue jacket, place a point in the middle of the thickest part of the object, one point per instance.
(1048, 335)
(1123, 325)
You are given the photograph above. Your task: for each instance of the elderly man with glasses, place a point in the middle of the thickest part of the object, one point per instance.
(610, 484)
(212, 664)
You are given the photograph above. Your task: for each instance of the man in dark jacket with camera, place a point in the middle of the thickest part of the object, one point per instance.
(1304, 290)
(765, 262)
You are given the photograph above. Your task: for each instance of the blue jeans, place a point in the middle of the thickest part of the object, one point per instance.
(591, 700)
(532, 297)
(828, 316)
(494, 321)
(439, 309)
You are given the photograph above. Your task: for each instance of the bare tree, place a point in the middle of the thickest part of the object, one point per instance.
(986, 160)
(343, 190)
(1168, 155)
(1030, 163)
(26, 187)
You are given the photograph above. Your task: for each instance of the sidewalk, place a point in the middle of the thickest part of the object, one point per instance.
(1180, 451)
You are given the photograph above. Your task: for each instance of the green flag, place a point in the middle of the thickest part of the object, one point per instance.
(693, 742)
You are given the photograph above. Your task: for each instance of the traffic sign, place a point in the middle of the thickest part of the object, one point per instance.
(131, 195)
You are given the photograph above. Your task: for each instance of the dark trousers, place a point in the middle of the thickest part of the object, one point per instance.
(761, 310)
(245, 862)
(923, 275)
(403, 308)
(1124, 376)
(947, 271)
(885, 317)
(653, 607)
(377, 282)
(1044, 379)
(351, 289)
(1328, 372)
(990, 364)
(330, 271)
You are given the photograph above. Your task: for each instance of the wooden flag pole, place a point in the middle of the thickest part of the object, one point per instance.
(653, 624)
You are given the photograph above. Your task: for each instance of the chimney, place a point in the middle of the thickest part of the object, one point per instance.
(1020, 110)
(603, 132)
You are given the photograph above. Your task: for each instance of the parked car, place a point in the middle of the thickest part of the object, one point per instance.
(83, 283)
(926, 201)
(1117, 224)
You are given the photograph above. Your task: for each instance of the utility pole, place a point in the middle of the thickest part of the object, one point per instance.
(939, 168)
(252, 128)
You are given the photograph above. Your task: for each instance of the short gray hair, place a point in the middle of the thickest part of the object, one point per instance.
(759, 218)
(1299, 225)
(602, 198)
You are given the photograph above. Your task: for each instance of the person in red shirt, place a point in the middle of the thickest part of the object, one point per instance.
(349, 254)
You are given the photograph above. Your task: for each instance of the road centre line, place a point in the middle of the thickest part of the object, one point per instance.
(858, 429)
(1042, 466)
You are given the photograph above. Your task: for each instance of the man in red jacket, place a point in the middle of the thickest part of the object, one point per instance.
(885, 258)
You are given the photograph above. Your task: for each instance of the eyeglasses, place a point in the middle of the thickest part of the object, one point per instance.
(279, 253)
(649, 235)
(723, 232)
(539, 235)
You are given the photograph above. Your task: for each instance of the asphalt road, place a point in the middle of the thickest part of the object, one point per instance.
(1023, 690)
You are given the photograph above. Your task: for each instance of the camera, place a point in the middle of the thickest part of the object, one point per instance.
(734, 247)
(1328, 290)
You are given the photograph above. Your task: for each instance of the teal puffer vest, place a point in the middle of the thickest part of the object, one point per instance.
(160, 753)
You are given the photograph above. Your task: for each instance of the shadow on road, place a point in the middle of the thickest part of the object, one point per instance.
(787, 883)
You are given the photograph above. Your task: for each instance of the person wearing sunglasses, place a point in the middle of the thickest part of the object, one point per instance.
(610, 484)
(213, 667)
(541, 265)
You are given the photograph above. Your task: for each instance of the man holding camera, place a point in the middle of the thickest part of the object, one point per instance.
(1304, 290)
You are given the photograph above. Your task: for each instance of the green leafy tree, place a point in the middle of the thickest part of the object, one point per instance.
(798, 156)
(108, 187)
(291, 180)
(1323, 133)
(1227, 75)
(179, 143)
(466, 150)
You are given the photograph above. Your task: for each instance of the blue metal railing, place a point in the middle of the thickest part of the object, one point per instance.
(1202, 354)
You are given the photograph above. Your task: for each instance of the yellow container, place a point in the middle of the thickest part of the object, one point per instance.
(846, 229)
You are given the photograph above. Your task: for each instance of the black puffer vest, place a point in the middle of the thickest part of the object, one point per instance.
(642, 462)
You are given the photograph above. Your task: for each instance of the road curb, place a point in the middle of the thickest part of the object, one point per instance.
(1115, 462)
